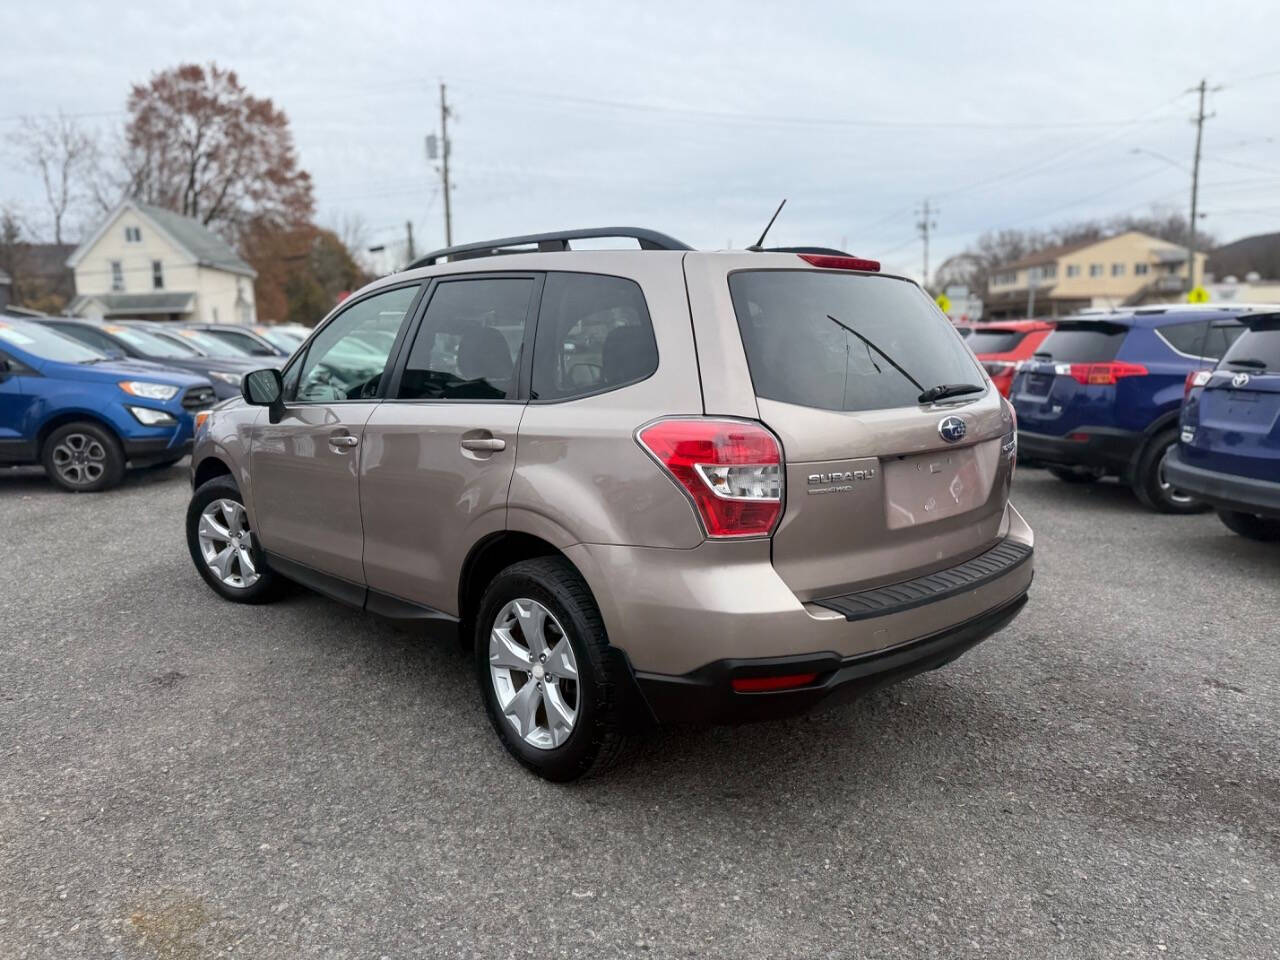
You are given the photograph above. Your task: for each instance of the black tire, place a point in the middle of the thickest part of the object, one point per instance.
(1251, 526)
(1148, 484)
(268, 584)
(596, 740)
(84, 450)
(1070, 475)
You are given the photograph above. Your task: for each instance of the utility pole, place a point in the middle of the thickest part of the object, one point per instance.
(444, 165)
(408, 226)
(1195, 183)
(1033, 280)
(924, 225)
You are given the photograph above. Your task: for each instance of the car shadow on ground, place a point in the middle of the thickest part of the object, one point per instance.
(32, 480)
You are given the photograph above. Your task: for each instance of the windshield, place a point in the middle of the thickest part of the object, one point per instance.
(1261, 343)
(148, 344)
(45, 343)
(845, 341)
(284, 339)
(208, 344)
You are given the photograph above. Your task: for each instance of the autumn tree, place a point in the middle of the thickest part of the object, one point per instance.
(302, 271)
(63, 155)
(198, 143)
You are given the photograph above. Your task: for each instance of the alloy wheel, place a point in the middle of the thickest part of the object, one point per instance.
(534, 673)
(80, 459)
(226, 543)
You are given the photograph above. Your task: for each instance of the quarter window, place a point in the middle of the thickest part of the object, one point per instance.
(468, 346)
(347, 359)
(594, 334)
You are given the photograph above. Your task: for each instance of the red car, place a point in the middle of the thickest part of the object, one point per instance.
(1001, 344)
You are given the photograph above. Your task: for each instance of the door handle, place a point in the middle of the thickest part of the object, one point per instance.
(343, 441)
(484, 443)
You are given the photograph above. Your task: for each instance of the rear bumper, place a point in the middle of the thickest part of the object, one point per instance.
(1104, 448)
(707, 696)
(1224, 490)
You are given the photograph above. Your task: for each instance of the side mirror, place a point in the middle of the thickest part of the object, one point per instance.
(262, 388)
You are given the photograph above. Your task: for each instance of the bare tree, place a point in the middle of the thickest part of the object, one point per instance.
(64, 156)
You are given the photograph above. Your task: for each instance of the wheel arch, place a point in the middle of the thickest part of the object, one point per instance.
(208, 468)
(74, 416)
(485, 559)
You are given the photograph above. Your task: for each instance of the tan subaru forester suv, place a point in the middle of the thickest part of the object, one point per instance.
(650, 485)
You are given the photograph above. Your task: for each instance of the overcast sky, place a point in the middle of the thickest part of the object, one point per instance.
(697, 118)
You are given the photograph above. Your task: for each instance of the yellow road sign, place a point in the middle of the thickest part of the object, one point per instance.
(1197, 294)
(944, 303)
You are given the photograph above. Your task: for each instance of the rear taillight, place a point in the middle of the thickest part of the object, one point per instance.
(1196, 378)
(831, 262)
(731, 470)
(1096, 374)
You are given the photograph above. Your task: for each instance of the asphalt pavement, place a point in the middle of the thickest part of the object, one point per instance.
(181, 777)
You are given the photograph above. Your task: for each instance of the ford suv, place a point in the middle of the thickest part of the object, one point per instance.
(1229, 454)
(642, 486)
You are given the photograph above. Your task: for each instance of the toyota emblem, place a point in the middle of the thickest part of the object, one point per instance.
(1240, 380)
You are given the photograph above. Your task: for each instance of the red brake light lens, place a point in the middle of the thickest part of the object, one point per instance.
(830, 262)
(1196, 378)
(1096, 374)
(765, 684)
(731, 469)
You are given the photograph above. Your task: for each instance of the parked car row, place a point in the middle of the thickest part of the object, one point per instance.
(86, 399)
(1181, 403)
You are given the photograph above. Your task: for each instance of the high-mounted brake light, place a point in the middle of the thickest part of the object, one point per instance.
(1101, 374)
(731, 470)
(788, 681)
(1196, 378)
(830, 262)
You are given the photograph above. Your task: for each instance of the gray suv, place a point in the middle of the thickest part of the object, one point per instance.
(659, 485)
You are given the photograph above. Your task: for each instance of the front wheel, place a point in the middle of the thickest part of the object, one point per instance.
(1152, 486)
(83, 458)
(1251, 526)
(540, 658)
(223, 547)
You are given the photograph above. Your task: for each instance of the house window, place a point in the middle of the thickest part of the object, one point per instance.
(1073, 269)
(132, 234)
(1095, 269)
(117, 276)
(157, 275)
(1117, 269)
(1004, 279)
(1140, 269)
(1048, 271)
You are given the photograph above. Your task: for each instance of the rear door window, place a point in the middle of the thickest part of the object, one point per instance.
(1084, 342)
(994, 341)
(594, 334)
(830, 340)
(1260, 343)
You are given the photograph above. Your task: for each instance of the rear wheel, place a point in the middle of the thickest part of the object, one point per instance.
(1152, 486)
(540, 658)
(83, 457)
(1251, 526)
(224, 548)
(1078, 475)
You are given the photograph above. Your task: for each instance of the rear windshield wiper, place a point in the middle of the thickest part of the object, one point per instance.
(892, 362)
(1248, 362)
(944, 390)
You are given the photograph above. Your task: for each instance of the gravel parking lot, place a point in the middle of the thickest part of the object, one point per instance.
(182, 777)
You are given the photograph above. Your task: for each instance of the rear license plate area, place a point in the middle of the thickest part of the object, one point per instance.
(932, 486)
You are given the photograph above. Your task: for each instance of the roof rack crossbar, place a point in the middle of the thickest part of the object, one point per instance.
(549, 242)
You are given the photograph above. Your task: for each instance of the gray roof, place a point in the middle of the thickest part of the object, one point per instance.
(117, 304)
(206, 246)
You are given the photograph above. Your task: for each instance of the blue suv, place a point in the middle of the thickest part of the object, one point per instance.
(1229, 455)
(82, 415)
(1102, 395)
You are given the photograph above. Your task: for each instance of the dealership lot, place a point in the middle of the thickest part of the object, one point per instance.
(183, 777)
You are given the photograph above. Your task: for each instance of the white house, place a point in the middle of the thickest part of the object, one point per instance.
(153, 264)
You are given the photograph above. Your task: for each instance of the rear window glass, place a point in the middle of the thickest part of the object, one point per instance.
(1084, 342)
(831, 340)
(994, 341)
(1261, 342)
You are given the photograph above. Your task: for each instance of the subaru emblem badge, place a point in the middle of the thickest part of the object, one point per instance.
(952, 429)
(1240, 380)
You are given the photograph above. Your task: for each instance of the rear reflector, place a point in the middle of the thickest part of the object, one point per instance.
(1196, 378)
(1100, 374)
(731, 469)
(765, 684)
(829, 262)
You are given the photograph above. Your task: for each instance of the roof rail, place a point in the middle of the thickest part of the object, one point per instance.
(544, 242)
(824, 251)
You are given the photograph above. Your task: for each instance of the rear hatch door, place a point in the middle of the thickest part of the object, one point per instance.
(1239, 409)
(879, 486)
(1049, 396)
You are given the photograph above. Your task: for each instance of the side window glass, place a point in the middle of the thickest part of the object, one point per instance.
(594, 334)
(1188, 338)
(468, 347)
(347, 358)
(1221, 337)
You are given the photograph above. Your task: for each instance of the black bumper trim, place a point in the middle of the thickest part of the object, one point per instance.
(1102, 447)
(154, 448)
(1004, 557)
(1226, 491)
(707, 696)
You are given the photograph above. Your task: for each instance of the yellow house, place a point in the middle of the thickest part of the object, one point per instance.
(1129, 268)
(149, 263)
